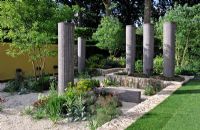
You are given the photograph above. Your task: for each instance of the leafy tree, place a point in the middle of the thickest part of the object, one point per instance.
(187, 20)
(109, 35)
(31, 25)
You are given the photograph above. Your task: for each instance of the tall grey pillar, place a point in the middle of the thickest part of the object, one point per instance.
(148, 48)
(81, 54)
(130, 49)
(65, 55)
(169, 38)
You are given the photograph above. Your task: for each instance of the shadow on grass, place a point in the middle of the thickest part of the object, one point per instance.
(196, 91)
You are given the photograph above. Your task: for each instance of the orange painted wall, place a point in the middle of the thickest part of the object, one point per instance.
(8, 64)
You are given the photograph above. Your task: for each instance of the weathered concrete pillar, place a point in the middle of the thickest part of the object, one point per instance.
(130, 49)
(148, 48)
(81, 54)
(65, 55)
(169, 38)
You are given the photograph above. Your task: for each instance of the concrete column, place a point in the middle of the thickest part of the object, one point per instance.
(65, 55)
(81, 54)
(169, 38)
(130, 49)
(148, 48)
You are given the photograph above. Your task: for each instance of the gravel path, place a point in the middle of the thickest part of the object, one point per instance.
(11, 118)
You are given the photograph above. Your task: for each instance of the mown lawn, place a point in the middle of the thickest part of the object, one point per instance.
(181, 111)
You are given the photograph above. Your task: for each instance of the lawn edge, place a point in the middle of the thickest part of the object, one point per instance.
(123, 121)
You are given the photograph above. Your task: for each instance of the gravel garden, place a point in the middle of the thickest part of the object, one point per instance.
(112, 75)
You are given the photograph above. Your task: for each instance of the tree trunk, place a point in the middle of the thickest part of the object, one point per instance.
(107, 4)
(147, 11)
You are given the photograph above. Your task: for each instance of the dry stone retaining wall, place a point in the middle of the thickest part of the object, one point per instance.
(137, 82)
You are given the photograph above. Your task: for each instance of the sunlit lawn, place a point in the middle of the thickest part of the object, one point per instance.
(181, 111)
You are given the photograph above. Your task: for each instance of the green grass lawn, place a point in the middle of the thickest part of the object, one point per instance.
(181, 111)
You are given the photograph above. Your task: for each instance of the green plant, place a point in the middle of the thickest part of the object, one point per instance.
(76, 110)
(28, 110)
(109, 35)
(151, 90)
(24, 86)
(109, 82)
(84, 75)
(138, 66)
(192, 68)
(32, 37)
(87, 84)
(158, 65)
(94, 61)
(187, 32)
(106, 110)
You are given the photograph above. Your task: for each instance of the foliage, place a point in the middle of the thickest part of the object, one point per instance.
(94, 61)
(87, 84)
(75, 105)
(31, 25)
(113, 62)
(108, 82)
(158, 65)
(193, 68)
(84, 32)
(138, 66)
(25, 85)
(109, 35)
(151, 90)
(187, 34)
(28, 110)
(76, 110)
(98, 61)
(106, 110)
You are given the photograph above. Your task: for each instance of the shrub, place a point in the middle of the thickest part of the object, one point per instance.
(109, 82)
(151, 90)
(30, 84)
(192, 68)
(187, 34)
(158, 65)
(98, 61)
(138, 66)
(106, 110)
(94, 61)
(87, 84)
(76, 105)
(113, 62)
(109, 35)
